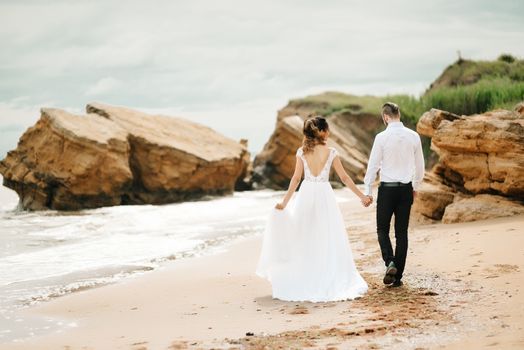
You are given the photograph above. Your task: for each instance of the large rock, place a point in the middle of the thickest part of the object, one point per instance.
(432, 198)
(481, 164)
(430, 121)
(275, 164)
(481, 207)
(115, 155)
(351, 134)
(480, 153)
(173, 159)
(67, 161)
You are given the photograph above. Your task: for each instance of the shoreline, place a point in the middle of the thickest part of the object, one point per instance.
(50, 254)
(214, 300)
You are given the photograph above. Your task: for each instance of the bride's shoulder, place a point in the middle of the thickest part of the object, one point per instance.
(333, 150)
(300, 152)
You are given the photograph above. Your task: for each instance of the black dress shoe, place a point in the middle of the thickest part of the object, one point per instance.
(391, 271)
(397, 283)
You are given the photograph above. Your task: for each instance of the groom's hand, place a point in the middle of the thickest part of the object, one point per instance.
(366, 201)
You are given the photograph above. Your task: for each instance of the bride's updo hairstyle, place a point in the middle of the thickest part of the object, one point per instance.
(313, 126)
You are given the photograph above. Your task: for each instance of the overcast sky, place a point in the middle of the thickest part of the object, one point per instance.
(232, 64)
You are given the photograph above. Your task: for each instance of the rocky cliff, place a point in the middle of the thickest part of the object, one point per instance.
(480, 172)
(116, 155)
(352, 133)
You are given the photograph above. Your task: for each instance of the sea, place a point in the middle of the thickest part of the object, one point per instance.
(48, 254)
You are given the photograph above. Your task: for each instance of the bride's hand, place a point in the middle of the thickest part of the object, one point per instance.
(280, 206)
(366, 200)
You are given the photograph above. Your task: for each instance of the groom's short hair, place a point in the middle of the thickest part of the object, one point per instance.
(391, 109)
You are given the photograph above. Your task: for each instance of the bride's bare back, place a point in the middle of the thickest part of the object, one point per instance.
(316, 159)
(314, 164)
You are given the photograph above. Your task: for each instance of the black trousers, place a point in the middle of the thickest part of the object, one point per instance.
(394, 201)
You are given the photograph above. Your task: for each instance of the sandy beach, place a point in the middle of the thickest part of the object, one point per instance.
(143, 150)
(463, 289)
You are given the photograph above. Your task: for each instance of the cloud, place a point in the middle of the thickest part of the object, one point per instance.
(19, 111)
(15, 118)
(104, 86)
(18, 114)
(207, 58)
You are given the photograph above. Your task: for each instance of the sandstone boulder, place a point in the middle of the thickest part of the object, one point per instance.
(481, 207)
(432, 198)
(67, 161)
(174, 159)
(115, 155)
(481, 164)
(274, 165)
(481, 153)
(431, 120)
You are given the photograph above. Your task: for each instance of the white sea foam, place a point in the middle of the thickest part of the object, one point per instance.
(48, 253)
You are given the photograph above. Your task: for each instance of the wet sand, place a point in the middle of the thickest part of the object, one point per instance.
(463, 289)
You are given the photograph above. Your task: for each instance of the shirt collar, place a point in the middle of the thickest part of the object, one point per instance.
(395, 124)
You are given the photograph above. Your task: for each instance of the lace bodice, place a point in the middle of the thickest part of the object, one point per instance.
(324, 173)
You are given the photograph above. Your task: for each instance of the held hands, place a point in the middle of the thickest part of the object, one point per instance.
(366, 200)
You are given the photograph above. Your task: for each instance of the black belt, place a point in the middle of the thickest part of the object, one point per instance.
(394, 184)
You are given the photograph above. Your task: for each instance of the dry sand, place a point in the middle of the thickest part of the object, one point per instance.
(464, 288)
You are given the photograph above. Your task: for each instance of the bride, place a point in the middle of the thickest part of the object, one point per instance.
(306, 253)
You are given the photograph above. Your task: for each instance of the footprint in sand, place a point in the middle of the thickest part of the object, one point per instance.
(176, 345)
(499, 269)
(507, 268)
(300, 310)
(139, 345)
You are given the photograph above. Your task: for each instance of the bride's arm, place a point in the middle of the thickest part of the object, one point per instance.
(293, 184)
(346, 179)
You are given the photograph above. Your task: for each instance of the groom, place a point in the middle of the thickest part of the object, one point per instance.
(397, 153)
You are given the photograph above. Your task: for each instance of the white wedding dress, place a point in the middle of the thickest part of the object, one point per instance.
(306, 253)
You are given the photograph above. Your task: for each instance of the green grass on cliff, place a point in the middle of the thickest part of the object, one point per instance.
(465, 87)
(482, 96)
(332, 102)
(468, 72)
(329, 103)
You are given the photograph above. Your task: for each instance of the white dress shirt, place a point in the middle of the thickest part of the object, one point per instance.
(397, 152)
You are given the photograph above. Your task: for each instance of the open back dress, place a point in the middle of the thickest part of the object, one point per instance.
(306, 254)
